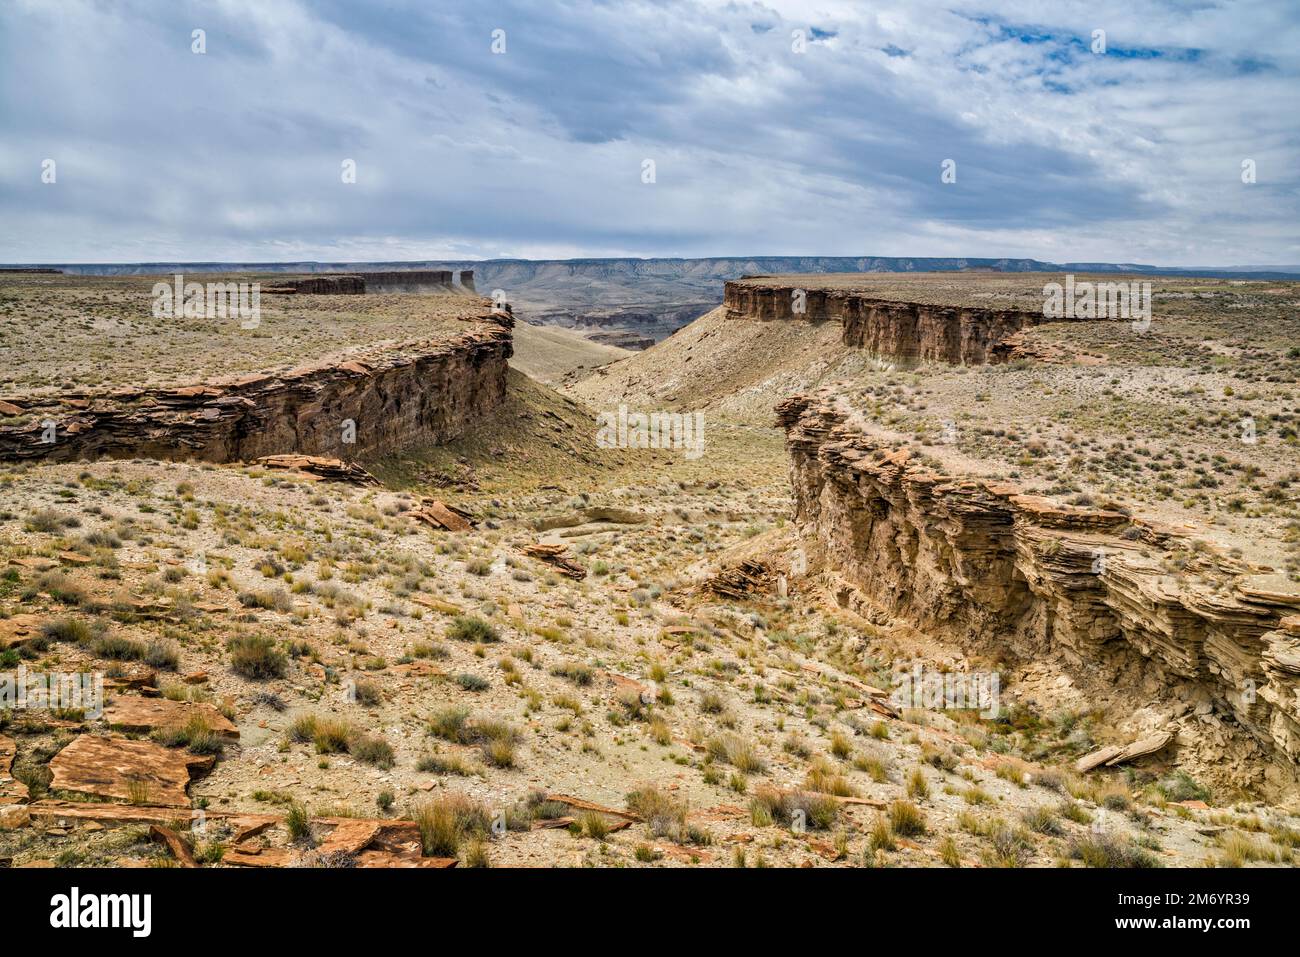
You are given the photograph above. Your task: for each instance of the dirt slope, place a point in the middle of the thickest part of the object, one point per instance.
(550, 354)
(733, 368)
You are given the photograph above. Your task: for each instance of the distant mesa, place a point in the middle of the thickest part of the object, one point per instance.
(389, 281)
(319, 286)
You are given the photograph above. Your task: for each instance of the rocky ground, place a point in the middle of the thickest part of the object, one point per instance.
(378, 671)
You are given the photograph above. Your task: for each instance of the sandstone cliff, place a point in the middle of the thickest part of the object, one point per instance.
(408, 280)
(905, 332)
(423, 392)
(319, 286)
(1006, 573)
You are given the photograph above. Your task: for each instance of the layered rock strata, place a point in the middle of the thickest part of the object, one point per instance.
(372, 402)
(319, 286)
(1000, 571)
(408, 280)
(906, 332)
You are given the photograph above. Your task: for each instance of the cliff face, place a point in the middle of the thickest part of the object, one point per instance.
(408, 280)
(1002, 572)
(319, 286)
(424, 392)
(907, 332)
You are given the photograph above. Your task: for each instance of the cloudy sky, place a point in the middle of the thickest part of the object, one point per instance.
(761, 144)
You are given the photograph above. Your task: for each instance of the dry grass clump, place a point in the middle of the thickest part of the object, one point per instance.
(816, 811)
(826, 778)
(447, 820)
(256, 657)
(496, 739)
(1108, 849)
(195, 734)
(906, 819)
(665, 816)
(335, 736)
(734, 750)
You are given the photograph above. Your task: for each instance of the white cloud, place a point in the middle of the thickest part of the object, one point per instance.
(1132, 156)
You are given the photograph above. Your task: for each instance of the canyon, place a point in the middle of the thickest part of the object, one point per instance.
(632, 656)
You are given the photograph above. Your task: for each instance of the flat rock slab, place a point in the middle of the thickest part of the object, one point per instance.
(582, 805)
(391, 859)
(260, 857)
(318, 466)
(350, 837)
(108, 767)
(557, 556)
(441, 515)
(60, 813)
(152, 714)
(1113, 755)
(180, 850)
(19, 630)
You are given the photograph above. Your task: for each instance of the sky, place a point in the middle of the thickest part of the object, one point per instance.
(526, 129)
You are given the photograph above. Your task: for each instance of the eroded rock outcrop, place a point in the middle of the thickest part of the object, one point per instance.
(906, 332)
(999, 571)
(375, 401)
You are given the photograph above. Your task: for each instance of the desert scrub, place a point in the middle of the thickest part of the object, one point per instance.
(59, 587)
(1009, 846)
(275, 599)
(366, 692)
(664, 814)
(817, 811)
(906, 819)
(495, 739)
(470, 628)
(117, 648)
(163, 655)
(917, 787)
(823, 776)
(446, 764)
(1042, 820)
(841, 745)
(736, 751)
(330, 735)
(471, 682)
(1110, 850)
(256, 657)
(579, 674)
(67, 629)
(371, 749)
(298, 824)
(594, 825)
(195, 734)
(445, 821)
(49, 522)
